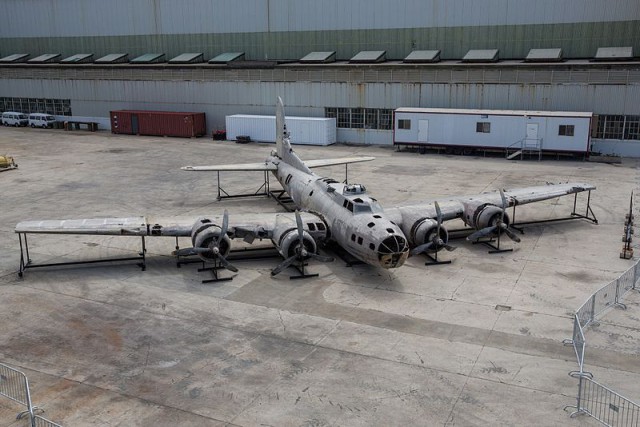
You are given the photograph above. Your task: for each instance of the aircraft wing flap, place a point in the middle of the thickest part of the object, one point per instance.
(129, 226)
(535, 194)
(238, 167)
(337, 161)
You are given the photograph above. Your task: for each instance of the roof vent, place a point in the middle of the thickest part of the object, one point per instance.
(319, 58)
(614, 54)
(544, 55)
(481, 55)
(422, 57)
(369, 57)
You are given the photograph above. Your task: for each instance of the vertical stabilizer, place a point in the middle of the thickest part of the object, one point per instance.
(283, 145)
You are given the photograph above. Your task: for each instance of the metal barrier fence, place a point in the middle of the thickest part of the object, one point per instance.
(594, 399)
(15, 386)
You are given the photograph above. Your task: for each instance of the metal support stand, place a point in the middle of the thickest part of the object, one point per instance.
(588, 215)
(494, 249)
(433, 259)
(214, 271)
(26, 262)
(283, 199)
(302, 274)
(263, 190)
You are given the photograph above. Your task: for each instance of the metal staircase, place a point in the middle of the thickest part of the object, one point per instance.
(524, 146)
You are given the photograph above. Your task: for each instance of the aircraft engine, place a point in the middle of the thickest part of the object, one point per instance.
(206, 235)
(483, 216)
(423, 231)
(288, 242)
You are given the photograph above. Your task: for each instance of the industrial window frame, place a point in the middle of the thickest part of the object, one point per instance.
(404, 124)
(619, 127)
(53, 106)
(361, 118)
(566, 130)
(483, 127)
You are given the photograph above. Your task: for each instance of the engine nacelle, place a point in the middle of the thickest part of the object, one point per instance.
(424, 230)
(203, 233)
(482, 216)
(288, 241)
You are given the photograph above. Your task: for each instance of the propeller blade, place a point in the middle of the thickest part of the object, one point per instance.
(190, 251)
(320, 258)
(482, 233)
(420, 248)
(300, 226)
(284, 264)
(438, 212)
(226, 264)
(225, 223)
(510, 233)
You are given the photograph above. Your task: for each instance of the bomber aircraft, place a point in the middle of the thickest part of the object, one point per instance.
(327, 210)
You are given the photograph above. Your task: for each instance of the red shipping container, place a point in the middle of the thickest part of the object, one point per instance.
(158, 123)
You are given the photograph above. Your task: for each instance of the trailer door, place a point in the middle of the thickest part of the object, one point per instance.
(532, 131)
(423, 130)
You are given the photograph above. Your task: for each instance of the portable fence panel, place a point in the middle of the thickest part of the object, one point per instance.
(43, 422)
(625, 282)
(585, 313)
(637, 274)
(607, 406)
(578, 341)
(13, 384)
(605, 297)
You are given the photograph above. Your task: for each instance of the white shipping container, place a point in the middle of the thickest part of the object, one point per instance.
(302, 130)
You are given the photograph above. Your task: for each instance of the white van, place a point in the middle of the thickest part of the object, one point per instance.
(11, 118)
(41, 120)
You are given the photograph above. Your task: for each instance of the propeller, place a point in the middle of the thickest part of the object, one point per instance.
(300, 250)
(214, 246)
(499, 226)
(436, 241)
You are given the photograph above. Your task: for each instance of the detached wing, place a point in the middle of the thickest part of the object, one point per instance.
(130, 226)
(454, 207)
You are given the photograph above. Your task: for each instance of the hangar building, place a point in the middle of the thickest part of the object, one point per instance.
(356, 60)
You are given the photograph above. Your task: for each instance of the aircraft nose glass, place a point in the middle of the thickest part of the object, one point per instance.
(392, 244)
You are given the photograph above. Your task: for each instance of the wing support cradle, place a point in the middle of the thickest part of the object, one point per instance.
(26, 262)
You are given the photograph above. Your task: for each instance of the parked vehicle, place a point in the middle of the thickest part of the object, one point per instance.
(41, 120)
(11, 118)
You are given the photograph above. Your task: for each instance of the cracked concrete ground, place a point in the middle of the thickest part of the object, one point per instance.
(475, 342)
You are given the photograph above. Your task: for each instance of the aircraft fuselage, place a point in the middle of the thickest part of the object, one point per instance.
(355, 220)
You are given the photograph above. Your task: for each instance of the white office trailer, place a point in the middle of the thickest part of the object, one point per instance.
(464, 130)
(302, 130)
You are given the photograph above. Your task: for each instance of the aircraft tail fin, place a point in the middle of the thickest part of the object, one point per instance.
(283, 145)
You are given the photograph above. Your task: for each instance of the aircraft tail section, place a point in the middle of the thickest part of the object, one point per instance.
(283, 145)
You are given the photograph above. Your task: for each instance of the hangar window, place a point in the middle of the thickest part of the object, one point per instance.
(566, 130)
(358, 118)
(56, 107)
(404, 124)
(618, 127)
(483, 127)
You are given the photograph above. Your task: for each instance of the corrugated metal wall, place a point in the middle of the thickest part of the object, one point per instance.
(292, 28)
(218, 99)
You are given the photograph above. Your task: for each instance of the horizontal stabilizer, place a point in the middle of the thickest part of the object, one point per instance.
(262, 166)
(338, 161)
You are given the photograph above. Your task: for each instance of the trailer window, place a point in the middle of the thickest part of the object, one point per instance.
(404, 124)
(483, 127)
(566, 130)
